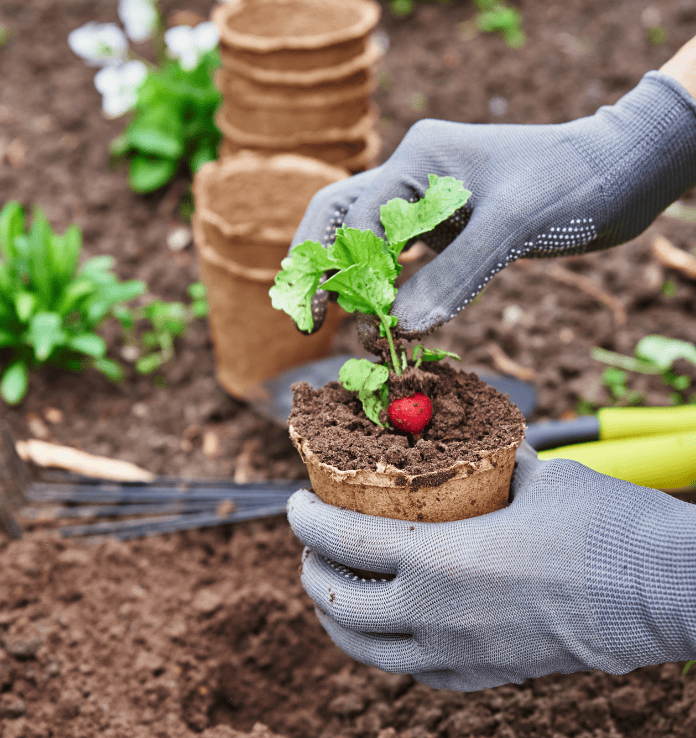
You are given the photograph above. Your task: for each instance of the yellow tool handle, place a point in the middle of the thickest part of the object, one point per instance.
(664, 461)
(626, 422)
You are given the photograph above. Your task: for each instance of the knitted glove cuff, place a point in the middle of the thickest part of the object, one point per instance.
(641, 576)
(643, 150)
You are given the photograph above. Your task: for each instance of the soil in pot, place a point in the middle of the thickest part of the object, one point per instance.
(470, 442)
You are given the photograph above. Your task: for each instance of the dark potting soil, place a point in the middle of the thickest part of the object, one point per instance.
(469, 418)
(208, 632)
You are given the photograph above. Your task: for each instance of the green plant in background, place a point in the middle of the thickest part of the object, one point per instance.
(173, 121)
(494, 16)
(154, 345)
(173, 102)
(50, 307)
(653, 354)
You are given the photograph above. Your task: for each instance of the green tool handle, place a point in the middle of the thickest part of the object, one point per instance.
(626, 422)
(664, 461)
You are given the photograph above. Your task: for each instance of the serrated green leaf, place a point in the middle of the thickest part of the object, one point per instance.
(45, 333)
(353, 246)
(372, 404)
(149, 173)
(14, 383)
(88, 343)
(11, 226)
(404, 220)
(362, 374)
(361, 289)
(663, 351)
(298, 280)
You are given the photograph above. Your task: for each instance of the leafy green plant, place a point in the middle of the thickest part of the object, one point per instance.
(364, 268)
(494, 16)
(153, 346)
(50, 306)
(173, 122)
(173, 101)
(654, 354)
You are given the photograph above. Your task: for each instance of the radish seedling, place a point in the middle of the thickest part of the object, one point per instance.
(364, 268)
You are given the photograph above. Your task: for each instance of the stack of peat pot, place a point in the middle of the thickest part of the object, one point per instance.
(297, 77)
(248, 207)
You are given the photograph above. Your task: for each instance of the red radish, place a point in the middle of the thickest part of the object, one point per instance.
(411, 414)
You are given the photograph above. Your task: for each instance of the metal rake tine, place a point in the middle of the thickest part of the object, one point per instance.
(126, 530)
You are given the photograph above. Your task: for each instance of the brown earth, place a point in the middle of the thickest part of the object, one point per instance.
(210, 631)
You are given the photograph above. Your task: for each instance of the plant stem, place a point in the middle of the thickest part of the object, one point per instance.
(392, 351)
(620, 361)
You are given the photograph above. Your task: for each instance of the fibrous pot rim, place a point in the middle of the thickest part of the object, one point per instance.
(387, 475)
(246, 161)
(369, 16)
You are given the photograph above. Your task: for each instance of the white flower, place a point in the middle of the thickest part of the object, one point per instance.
(139, 17)
(99, 44)
(189, 44)
(119, 86)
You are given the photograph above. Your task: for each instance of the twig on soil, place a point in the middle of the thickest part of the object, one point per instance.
(587, 285)
(503, 363)
(43, 453)
(671, 256)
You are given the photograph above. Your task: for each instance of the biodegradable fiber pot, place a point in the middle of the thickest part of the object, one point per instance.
(294, 34)
(248, 207)
(354, 149)
(472, 481)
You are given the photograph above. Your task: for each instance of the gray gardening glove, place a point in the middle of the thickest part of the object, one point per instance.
(581, 571)
(538, 190)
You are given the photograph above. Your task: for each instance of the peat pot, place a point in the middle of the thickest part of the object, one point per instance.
(287, 111)
(248, 207)
(355, 148)
(461, 485)
(294, 35)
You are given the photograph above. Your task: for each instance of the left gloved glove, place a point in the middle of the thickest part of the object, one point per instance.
(581, 571)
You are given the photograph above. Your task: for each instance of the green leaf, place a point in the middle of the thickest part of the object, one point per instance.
(373, 403)
(11, 226)
(687, 666)
(14, 383)
(663, 351)
(8, 338)
(298, 280)
(362, 374)
(75, 291)
(353, 246)
(427, 354)
(369, 380)
(97, 265)
(148, 364)
(403, 220)
(157, 131)
(25, 305)
(45, 333)
(361, 289)
(119, 146)
(110, 369)
(88, 343)
(149, 173)
(39, 257)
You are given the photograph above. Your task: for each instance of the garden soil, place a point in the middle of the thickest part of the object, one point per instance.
(209, 632)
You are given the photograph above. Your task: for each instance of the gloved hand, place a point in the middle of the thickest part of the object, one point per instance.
(581, 571)
(537, 190)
